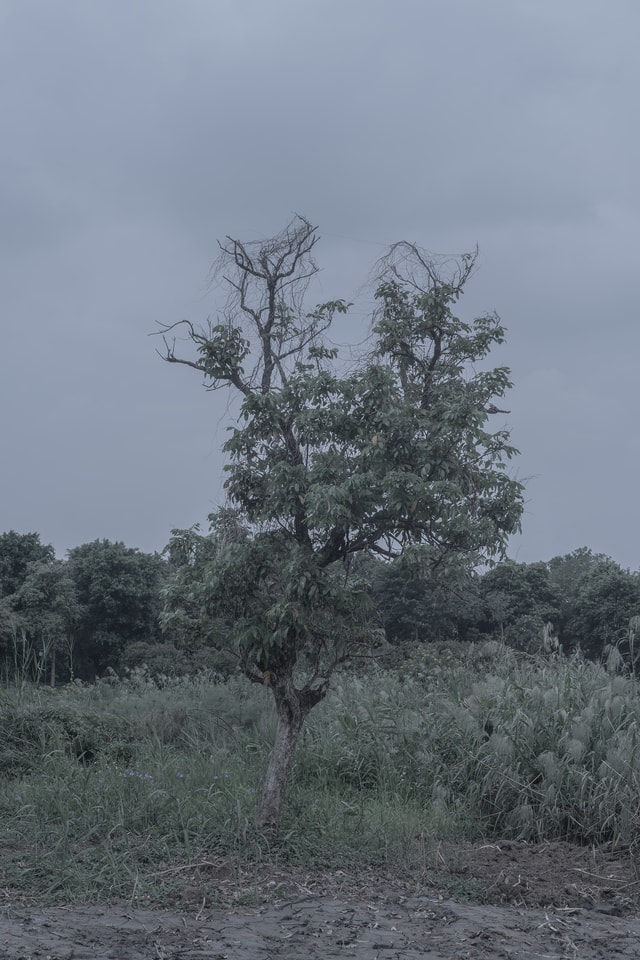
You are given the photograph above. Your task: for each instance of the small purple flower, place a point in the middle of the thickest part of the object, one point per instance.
(139, 775)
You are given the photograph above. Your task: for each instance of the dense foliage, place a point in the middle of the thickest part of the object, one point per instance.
(61, 619)
(116, 607)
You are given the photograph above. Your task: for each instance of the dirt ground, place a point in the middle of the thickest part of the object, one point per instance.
(530, 901)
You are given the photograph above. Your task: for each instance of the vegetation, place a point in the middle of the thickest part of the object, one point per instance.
(127, 783)
(368, 504)
(77, 617)
(118, 590)
(581, 602)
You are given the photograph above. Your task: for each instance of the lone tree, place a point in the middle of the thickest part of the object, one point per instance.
(328, 460)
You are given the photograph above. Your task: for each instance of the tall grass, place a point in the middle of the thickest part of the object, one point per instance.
(102, 786)
(532, 749)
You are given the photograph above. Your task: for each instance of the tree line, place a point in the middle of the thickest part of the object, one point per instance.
(109, 607)
(580, 601)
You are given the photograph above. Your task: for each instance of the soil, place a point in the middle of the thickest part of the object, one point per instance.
(529, 901)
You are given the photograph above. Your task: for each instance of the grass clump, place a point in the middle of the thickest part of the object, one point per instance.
(33, 732)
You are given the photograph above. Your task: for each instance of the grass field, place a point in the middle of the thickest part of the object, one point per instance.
(103, 788)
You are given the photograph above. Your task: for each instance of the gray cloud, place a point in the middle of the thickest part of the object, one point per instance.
(137, 134)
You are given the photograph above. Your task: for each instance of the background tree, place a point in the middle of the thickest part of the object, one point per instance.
(13, 639)
(431, 604)
(518, 599)
(119, 589)
(568, 571)
(325, 465)
(185, 624)
(607, 598)
(48, 604)
(17, 552)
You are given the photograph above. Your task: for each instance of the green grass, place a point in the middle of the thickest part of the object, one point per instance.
(102, 787)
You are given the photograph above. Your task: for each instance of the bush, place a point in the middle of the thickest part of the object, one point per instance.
(32, 733)
(164, 659)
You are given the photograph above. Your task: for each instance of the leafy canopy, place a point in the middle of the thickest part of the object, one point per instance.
(17, 552)
(327, 461)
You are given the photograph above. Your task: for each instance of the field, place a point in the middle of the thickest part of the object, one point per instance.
(457, 783)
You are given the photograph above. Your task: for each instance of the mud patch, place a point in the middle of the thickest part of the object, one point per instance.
(544, 874)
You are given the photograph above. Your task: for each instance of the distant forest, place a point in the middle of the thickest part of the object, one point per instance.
(108, 608)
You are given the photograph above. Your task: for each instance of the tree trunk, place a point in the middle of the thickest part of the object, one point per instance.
(292, 707)
(52, 676)
(291, 718)
(274, 790)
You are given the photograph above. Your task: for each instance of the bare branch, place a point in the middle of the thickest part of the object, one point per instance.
(266, 282)
(423, 271)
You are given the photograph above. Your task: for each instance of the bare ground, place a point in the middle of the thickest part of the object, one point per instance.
(538, 900)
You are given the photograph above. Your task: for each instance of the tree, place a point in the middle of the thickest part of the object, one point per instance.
(598, 598)
(13, 637)
(17, 552)
(606, 600)
(119, 589)
(48, 604)
(567, 572)
(327, 462)
(183, 620)
(430, 605)
(519, 599)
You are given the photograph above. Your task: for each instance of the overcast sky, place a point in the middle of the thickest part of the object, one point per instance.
(136, 133)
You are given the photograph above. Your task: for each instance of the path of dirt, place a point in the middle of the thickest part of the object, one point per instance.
(417, 928)
(543, 901)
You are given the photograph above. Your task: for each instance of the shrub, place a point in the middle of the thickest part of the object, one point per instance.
(33, 732)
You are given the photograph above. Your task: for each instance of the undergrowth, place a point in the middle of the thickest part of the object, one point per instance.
(102, 786)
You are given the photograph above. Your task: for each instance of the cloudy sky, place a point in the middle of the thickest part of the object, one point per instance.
(136, 133)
